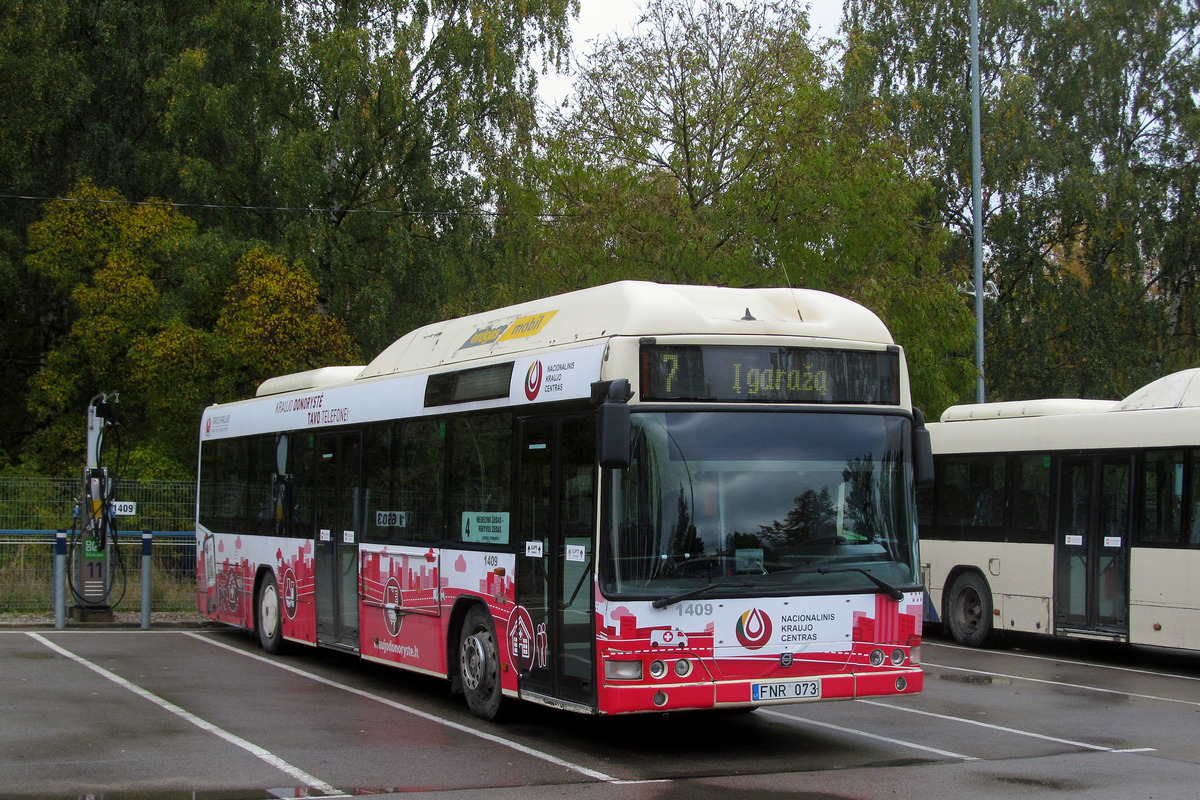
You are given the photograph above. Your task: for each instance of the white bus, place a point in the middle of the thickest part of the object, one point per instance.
(634, 497)
(1076, 518)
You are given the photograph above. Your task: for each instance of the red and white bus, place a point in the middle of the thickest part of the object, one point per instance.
(634, 497)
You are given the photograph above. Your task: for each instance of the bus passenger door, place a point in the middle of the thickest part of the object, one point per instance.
(554, 585)
(337, 516)
(1092, 545)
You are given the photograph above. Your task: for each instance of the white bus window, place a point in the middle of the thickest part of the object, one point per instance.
(420, 485)
(481, 474)
(970, 496)
(238, 493)
(1193, 539)
(1162, 494)
(380, 479)
(405, 482)
(1030, 499)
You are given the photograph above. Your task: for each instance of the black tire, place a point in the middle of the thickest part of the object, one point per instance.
(267, 617)
(479, 664)
(969, 609)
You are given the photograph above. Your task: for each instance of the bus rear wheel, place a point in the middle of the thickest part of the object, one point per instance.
(270, 624)
(969, 610)
(479, 664)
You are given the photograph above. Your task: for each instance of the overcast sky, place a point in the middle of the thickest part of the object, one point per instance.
(600, 18)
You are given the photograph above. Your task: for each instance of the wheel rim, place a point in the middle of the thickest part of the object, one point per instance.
(268, 611)
(970, 610)
(476, 669)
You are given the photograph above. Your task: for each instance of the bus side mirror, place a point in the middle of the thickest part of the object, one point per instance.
(614, 425)
(922, 452)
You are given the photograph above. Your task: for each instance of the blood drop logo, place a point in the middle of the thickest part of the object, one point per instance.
(533, 380)
(753, 629)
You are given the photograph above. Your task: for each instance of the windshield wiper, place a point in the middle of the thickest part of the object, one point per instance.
(892, 591)
(670, 599)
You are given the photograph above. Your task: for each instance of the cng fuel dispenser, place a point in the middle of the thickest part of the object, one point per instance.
(93, 551)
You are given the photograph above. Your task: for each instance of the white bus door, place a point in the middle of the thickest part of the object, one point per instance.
(1092, 545)
(337, 515)
(555, 520)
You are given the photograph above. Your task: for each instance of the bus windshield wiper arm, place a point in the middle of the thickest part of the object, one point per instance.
(670, 599)
(892, 591)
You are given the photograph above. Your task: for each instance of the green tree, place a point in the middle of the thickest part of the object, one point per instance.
(269, 325)
(75, 81)
(1089, 154)
(152, 313)
(351, 136)
(360, 132)
(711, 147)
(78, 105)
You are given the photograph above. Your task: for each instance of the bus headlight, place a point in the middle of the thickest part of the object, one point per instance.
(623, 670)
(683, 667)
(914, 656)
(897, 657)
(657, 669)
(877, 658)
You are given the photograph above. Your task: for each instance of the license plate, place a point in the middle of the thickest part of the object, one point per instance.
(785, 690)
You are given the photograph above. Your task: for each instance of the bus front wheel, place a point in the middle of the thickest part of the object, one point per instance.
(969, 609)
(479, 664)
(270, 628)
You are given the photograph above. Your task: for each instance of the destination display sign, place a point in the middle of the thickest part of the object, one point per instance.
(746, 374)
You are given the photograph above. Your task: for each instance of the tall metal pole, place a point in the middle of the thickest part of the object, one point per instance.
(977, 201)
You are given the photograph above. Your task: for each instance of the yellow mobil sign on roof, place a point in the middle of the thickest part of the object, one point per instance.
(527, 326)
(519, 328)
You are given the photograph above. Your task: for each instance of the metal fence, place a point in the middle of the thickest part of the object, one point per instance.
(32, 509)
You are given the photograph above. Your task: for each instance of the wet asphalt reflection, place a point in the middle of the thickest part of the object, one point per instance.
(166, 714)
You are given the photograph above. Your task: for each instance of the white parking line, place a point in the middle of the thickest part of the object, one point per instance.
(1003, 729)
(529, 751)
(1057, 659)
(1063, 684)
(867, 735)
(275, 761)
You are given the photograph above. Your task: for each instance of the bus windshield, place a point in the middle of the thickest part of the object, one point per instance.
(761, 503)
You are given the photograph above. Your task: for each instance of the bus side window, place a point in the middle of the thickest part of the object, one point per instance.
(384, 523)
(955, 507)
(302, 457)
(1193, 539)
(227, 497)
(404, 483)
(971, 496)
(989, 509)
(419, 491)
(480, 463)
(950, 498)
(210, 495)
(266, 519)
(578, 486)
(925, 516)
(1162, 498)
(1031, 498)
